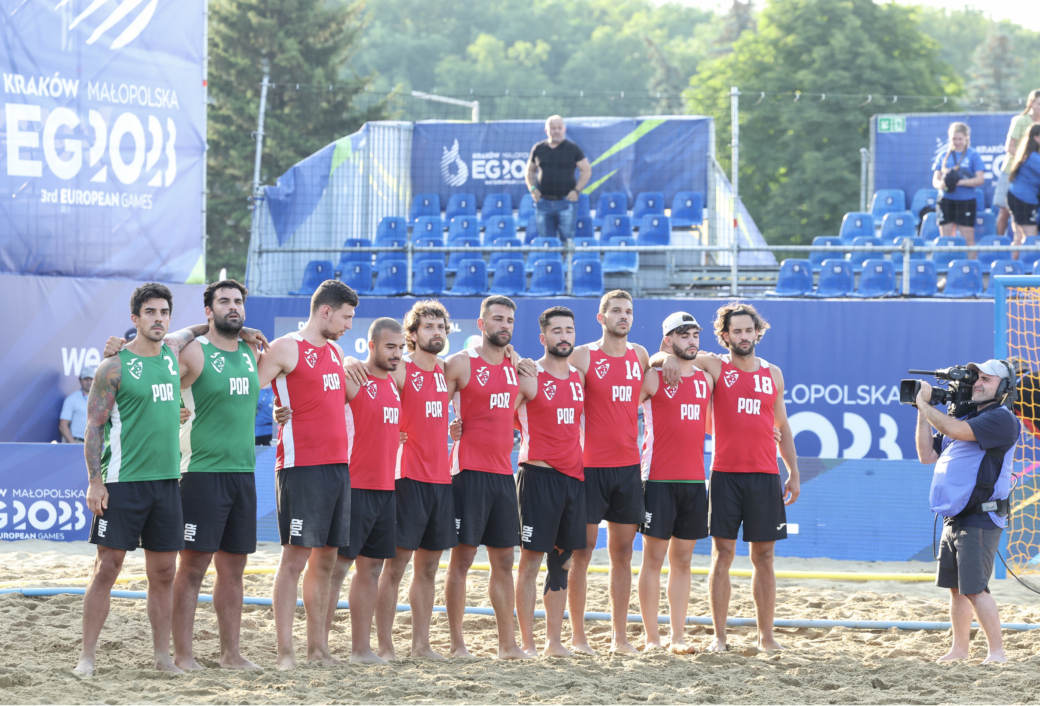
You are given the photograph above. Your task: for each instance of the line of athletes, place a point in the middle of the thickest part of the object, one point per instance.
(376, 483)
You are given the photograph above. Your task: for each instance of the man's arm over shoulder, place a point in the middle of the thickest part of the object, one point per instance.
(279, 359)
(191, 361)
(651, 383)
(528, 389)
(644, 357)
(580, 357)
(456, 371)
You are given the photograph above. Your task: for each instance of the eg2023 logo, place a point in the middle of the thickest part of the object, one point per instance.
(39, 513)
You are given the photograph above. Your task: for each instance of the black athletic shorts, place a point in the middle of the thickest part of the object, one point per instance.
(1024, 214)
(373, 524)
(141, 513)
(425, 515)
(752, 498)
(314, 505)
(966, 556)
(552, 509)
(960, 212)
(219, 511)
(614, 494)
(677, 510)
(485, 509)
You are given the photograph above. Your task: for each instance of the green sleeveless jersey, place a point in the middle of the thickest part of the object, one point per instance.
(218, 438)
(141, 433)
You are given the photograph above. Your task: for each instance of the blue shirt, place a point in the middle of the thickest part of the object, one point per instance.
(264, 412)
(1026, 186)
(968, 162)
(74, 411)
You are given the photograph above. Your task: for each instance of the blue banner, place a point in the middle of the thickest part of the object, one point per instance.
(103, 132)
(631, 155)
(903, 159)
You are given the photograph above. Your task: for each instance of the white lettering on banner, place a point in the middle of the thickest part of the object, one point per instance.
(857, 426)
(434, 409)
(44, 514)
(330, 381)
(130, 94)
(239, 386)
(162, 392)
(564, 415)
(839, 394)
(690, 411)
(749, 405)
(500, 400)
(49, 86)
(621, 393)
(73, 359)
(390, 415)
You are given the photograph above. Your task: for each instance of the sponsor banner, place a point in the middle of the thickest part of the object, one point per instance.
(904, 159)
(43, 491)
(630, 155)
(103, 128)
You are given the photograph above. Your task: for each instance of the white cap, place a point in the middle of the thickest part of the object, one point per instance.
(87, 371)
(990, 367)
(678, 320)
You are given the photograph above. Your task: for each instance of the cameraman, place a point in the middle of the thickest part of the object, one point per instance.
(973, 458)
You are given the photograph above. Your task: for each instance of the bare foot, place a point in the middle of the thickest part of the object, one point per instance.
(188, 664)
(387, 654)
(556, 650)
(625, 647)
(425, 653)
(769, 644)
(651, 647)
(285, 662)
(953, 656)
(717, 645)
(995, 657)
(85, 667)
(237, 662)
(532, 651)
(583, 648)
(513, 652)
(165, 664)
(462, 652)
(681, 648)
(366, 657)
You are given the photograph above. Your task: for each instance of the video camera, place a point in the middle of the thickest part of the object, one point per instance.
(956, 395)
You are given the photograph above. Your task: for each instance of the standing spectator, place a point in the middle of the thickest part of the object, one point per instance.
(1024, 193)
(955, 175)
(550, 179)
(1019, 124)
(264, 417)
(72, 422)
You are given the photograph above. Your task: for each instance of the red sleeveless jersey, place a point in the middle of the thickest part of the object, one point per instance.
(742, 420)
(485, 407)
(315, 391)
(611, 415)
(673, 445)
(551, 424)
(373, 432)
(424, 418)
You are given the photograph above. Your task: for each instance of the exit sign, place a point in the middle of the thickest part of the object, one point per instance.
(891, 123)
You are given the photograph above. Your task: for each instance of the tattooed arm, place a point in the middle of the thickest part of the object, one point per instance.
(100, 403)
(179, 340)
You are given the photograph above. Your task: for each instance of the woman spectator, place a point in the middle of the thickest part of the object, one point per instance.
(956, 175)
(1024, 190)
(1019, 125)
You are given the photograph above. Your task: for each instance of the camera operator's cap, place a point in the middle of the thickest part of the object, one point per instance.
(678, 320)
(87, 371)
(990, 367)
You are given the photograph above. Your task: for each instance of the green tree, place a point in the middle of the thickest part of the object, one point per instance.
(739, 18)
(799, 170)
(995, 75)
(306, 42)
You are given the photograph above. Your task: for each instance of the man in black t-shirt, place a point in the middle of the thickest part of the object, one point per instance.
(550, 179)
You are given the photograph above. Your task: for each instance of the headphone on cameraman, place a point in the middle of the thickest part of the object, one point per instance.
(1007, 389)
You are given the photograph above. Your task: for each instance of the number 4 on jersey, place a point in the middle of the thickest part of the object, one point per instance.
(633, 370)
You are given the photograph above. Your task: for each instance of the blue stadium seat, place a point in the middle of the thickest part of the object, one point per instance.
(835, 279)
(856, 259)
(896, 224)
(586, 278)
(423, 257)
(584, 205)
(924, 200)
(428, 205)
(651, 202)
(428, 227)
(612, 203)
(1031, 241)
(526, 209)
(923, 279)
(316, 272)
(616, 227)
(548, 256)
(505, 243)
(428, 279)
(391, 241)
(391, 279)
(358, 255)
(1002, 267)
(887, 201)
(963, 281)
(615, 262)
(547, 279)
(795, 279)
(817, 257)
(988, 258)
(897, 257)
(460, 205)
(496, 205)
(655, 229)
(930, 226)
(878, 279)
(581, 249)
(499, 227)
(358, 276)
(456, 257)
(395, 226)
(687, 209)
(510, 278)
(980, 199)
(584, 227)
(943, 259)
(463, 227)
(471, 279)
(856, 224)
(1036, 268)
(985, 224)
